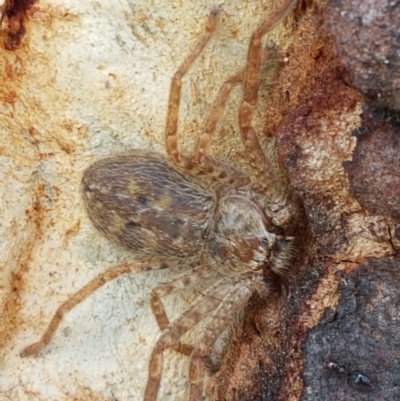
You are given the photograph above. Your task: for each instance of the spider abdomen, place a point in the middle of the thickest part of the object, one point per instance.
(143, 204)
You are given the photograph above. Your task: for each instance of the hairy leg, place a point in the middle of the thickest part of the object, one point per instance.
(260, 165)
(200, 160)
(175, 92)
(222, 318)
(200, 156)
(187, 279)
(199, 163)
(200, 153)
(208, 302)
(102, 279)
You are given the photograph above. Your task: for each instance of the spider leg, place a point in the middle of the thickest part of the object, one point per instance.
(200, 163)
(171, 336)
(93, 285)
(220, 320)
(260, 165)
(185, 280)
(215, 113)
(175, 91)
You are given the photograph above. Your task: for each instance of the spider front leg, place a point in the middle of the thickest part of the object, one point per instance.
(199, 163)
(185, 280)
(171, 335)
(200, 158)
(222, 318)
(175, 92)
(200, 154)
(261, 166)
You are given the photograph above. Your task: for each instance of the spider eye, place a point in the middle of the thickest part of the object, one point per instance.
(282, 244)
(265, 243)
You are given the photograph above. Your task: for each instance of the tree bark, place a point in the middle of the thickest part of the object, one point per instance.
(334, 335)
(83, 80)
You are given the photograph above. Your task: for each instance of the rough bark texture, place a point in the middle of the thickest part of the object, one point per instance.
(368, 41)
(329, 330)
(333, 335)
(358, 343)
(12, 15)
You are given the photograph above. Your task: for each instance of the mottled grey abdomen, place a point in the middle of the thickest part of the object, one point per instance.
(142, 203)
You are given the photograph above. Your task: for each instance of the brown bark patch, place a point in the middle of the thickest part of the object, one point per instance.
(360, 338)
(368, 40)
(13, 14)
